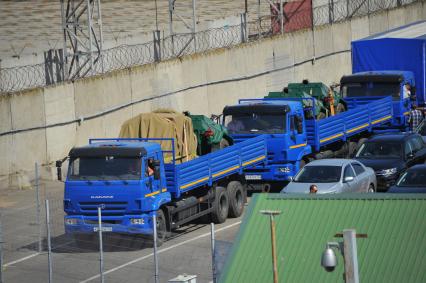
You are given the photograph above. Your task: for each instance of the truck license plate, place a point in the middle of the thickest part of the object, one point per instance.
(253, 177)
(104, 229)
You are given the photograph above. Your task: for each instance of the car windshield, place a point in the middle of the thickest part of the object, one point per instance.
(413, 178)
(319, 174)
(371, 89)
(104, 168)
(256, 123)
(380, 150)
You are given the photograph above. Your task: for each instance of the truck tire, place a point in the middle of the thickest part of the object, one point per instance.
(220, 206)
(352, 149)
(360, 143)
(162, 231)
(236, 195)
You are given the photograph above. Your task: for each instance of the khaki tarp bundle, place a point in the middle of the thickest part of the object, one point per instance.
(164, 123)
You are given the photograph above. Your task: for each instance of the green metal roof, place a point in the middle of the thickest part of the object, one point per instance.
(395, 250)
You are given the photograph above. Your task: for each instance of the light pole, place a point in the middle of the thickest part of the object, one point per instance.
(348, 249)
(271, 214)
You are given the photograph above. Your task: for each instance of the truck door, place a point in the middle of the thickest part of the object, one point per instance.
(297, 132)
(152, 184)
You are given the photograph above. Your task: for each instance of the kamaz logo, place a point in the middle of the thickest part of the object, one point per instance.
(98, 197)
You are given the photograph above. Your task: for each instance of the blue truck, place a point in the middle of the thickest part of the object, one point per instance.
(130, 180)
(295, 137)
(389, 63)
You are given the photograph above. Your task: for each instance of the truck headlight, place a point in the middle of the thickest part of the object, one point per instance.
(71, 221)
(387, 172)
(137, 221)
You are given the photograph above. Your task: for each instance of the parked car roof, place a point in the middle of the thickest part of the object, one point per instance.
(331, 162)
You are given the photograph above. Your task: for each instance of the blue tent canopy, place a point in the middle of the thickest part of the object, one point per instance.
(399, 49)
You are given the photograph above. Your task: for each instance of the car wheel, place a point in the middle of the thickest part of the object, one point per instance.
(371, 189)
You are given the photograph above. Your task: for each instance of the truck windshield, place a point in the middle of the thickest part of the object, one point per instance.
(104, 168)
(260, 123)
(319, 174)
(371, 89)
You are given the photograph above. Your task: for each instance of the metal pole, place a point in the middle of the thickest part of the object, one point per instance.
(101, 250)
(274, 250)
(171, 3)
(258, 19)
(37, 187)
(281, 17)
(154, 226)
(49, 244)
(213, 252)
(101, 36)
(350, 256)
(89, 22)
(194, 25)
(1, 254)
(64, 27)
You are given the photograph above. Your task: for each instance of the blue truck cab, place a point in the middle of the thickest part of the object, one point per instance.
(294, 137)
(360, 88)
(282, 122)
(132, 180)
(114, 175)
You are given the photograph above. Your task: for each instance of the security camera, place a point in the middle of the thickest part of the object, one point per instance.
(328, 259)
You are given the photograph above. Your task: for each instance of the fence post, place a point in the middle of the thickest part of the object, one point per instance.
(154, 225)
(101, 251)
(1, 254)
(244, 36)
(38, 215)
(213, 252)
(157, 45)
(49, 245)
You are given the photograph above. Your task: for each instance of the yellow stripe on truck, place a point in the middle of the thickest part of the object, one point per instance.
(332, 137)
(222, 172)
(357, 128)
(381, 120)
(297, 145)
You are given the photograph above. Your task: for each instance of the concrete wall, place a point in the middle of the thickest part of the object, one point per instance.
(66, 115)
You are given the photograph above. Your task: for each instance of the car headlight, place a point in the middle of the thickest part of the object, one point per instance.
(137, 221)
(71, 221)
(387, 172)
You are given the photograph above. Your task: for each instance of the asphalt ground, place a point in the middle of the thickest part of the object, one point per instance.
(126, 259)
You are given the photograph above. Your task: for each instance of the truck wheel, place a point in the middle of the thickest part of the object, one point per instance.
(352, 149)
(360, 143)
(162, 232)
(236, 195)
(220, 206)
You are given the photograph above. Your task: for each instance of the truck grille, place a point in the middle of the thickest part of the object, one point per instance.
(108, 208)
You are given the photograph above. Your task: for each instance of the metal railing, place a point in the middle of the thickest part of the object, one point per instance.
(125, 56)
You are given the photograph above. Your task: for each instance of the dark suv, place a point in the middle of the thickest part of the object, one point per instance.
(390, 155)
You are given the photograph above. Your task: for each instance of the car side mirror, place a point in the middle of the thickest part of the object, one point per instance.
(59, 169)
(348, 179)
(410, 155)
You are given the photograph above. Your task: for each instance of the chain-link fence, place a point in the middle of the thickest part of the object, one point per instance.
(20, 78)
(30, 255)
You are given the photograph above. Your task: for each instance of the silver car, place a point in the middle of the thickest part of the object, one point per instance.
(333, 176)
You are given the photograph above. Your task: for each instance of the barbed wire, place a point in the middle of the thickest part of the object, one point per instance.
(126, 56)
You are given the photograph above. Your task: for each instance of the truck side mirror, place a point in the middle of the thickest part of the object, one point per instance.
(59, 169)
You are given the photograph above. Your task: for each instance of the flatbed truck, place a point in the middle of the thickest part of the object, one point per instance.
(295, 138)
(114, 174)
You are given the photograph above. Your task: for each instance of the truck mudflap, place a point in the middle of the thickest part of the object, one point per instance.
(126, 224)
